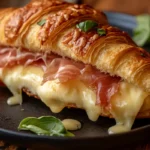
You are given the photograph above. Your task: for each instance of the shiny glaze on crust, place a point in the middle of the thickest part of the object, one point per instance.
(80, 41)
(102, 52)
(56, 19)
(23, 14)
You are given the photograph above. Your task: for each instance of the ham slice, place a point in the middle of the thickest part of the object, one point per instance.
(63, 69)
(11, 56)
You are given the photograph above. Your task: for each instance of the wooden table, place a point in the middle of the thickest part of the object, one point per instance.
(7, 146)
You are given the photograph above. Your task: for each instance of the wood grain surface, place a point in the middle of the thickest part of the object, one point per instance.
(8, 146)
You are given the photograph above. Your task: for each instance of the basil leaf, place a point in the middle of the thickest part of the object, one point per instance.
(41, 22)
(141, 34)
(87, 25)
(45, 125)
(101, 31)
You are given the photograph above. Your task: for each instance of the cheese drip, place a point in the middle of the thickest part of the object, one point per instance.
(54, 94)
(125, 104)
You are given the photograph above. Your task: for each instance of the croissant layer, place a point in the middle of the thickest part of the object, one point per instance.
(50, 26)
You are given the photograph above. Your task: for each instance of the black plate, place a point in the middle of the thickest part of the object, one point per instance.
(92, 135)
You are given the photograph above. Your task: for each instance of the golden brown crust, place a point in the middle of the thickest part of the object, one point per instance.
(27, 14)
(114, 53)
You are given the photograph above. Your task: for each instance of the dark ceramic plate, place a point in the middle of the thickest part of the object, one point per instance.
(92, 135)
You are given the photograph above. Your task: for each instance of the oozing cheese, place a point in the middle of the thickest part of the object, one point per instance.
(55, 95)
(125, 104)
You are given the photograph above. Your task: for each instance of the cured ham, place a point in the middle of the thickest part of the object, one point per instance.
(64, 70)
(14, 56)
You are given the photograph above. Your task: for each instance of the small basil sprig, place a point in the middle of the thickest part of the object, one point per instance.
(101, 31)
(87, 25)
(41, 22)
(45, 125)
(141, 34)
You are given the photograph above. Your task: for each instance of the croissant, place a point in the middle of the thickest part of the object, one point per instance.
(48, 53)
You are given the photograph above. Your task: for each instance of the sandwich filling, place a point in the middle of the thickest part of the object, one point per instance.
(61, 82)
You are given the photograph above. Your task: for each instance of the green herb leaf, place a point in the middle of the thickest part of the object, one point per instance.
(87, 25)
(141, 34)
(45, 125)
(101, 31)
(41, 22)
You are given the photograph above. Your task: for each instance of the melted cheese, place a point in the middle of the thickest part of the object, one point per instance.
(71, 124)
(125, 104)
(54, 94)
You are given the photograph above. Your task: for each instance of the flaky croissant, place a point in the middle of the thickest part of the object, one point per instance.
(47, 26)
(114, 53)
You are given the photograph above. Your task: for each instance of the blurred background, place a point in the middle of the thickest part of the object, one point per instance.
(134, 7)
